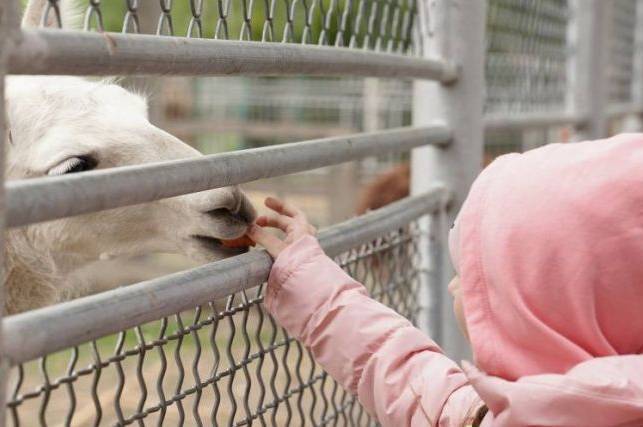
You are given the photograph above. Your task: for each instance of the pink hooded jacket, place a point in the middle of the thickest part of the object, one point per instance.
(549, 249)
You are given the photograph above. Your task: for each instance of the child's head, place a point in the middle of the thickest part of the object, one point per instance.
(548, 248)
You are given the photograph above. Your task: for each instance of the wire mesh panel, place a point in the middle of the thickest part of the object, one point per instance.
(223, 363)
(380, 25)
(621, 50)
(526, 55)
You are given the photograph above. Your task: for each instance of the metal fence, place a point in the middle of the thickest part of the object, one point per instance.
(216, 364)
(196, 347)
(530, 48)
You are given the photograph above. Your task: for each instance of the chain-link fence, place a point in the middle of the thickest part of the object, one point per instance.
(559, 68)
(622, 48)
(224, 363)
(526, 65)
(383, 25)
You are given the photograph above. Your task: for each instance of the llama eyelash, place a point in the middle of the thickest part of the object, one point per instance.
(73, 165)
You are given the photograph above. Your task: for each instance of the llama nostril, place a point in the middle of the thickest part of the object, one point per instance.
(246, 211)
(241, 216)
(224, 212)
(238, 208)
(244, 215)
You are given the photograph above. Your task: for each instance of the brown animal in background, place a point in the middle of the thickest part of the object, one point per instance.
(392, 185)
(386, 188)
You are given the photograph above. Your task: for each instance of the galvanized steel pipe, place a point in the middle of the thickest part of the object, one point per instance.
(56, 52)
(523, 121)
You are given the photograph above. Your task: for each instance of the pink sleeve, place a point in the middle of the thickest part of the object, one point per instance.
(398, 373)
(604, 391)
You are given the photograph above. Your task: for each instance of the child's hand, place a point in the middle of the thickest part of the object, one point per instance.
(289, 219)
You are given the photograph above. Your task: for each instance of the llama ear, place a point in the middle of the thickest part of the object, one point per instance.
(51, 14)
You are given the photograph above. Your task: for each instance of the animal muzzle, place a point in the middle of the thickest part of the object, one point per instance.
(226, 215)
(243, 210)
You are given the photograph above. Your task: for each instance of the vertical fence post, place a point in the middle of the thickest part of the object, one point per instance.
(9, 19)
(588, 39)
(453, 30)
(637, 72)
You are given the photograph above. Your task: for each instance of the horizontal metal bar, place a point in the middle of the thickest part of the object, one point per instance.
(37, 333)
(84, 53)
(41, 199)
(531, 120)
(623, 109)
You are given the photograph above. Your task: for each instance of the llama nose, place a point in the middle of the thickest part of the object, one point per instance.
(246, 212)
(243, 211)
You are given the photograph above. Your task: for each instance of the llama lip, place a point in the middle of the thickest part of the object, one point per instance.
(208, 240)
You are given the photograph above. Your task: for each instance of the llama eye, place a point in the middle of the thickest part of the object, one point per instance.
(73, 165)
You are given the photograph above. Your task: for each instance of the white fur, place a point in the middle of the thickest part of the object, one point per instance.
(54, 118)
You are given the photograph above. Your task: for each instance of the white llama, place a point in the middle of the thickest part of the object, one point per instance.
(60, 125)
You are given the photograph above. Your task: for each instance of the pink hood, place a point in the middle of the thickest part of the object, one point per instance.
(549, 248)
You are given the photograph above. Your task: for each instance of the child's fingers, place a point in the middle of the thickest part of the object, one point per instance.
(281, 222)
(272, 243)
(284, 208)
(261, 220)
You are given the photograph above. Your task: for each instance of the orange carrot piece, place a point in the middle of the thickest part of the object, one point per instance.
(241, 242)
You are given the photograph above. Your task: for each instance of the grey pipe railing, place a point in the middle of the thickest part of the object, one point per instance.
(623, 109)
(522, 121)
(41, 199)
(83, 53)
(43, 331)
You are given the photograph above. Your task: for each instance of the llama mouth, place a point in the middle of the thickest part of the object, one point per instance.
(215, 245)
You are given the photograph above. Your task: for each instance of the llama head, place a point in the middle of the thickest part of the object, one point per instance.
(61, 125)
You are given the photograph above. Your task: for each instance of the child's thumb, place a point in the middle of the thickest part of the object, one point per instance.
(272, 243)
